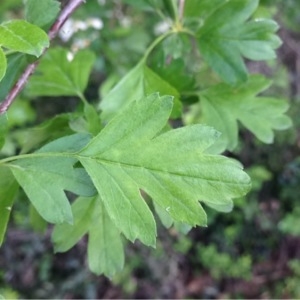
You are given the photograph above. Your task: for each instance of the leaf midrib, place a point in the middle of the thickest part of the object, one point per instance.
(103, 161)
(170, 173)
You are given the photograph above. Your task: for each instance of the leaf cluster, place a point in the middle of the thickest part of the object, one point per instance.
(120, 160)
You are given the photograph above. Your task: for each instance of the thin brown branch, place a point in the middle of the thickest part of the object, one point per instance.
(18, 87)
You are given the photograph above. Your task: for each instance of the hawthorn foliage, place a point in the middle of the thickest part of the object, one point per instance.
(122, 161)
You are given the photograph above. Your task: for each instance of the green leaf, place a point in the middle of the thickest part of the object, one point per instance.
(47, 131)
(36, 221)
(8, 190)
(65, 236)
(222, 106)
(225, 39)
(41, 13)
(177, 75)
(14, 66)
(21, 36)
(3, 64)
(167, 221)
(173, 62)
(58, 76)
(203, 9)
(139, 82)
(173, 168)
(46, 175)
(3, 128)
(92, 118)
(144, 5)
(20, 113)
(163, 215)
(182, 227)
(105, 249)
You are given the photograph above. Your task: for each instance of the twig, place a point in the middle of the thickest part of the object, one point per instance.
(17, 88)
(64, 15)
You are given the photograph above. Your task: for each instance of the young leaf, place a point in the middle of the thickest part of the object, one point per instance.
(14, 36)
(41, 13)
(225, 39)
(46, 175)
(3, 64)
(222, 106)
(139, 82)
(8, 190)
(3, 128)
(173, 168)
(58, 76)
(105, 249)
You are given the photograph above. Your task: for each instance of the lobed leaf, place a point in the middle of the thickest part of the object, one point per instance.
(225, 38)
(58, 76)
(132, 153)
(173, 168)
(139, 82)
(222, 106)
(14, 36)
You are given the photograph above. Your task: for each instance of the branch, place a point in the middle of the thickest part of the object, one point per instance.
(18, 87)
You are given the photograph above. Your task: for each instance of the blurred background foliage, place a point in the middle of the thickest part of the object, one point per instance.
(252, 252)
